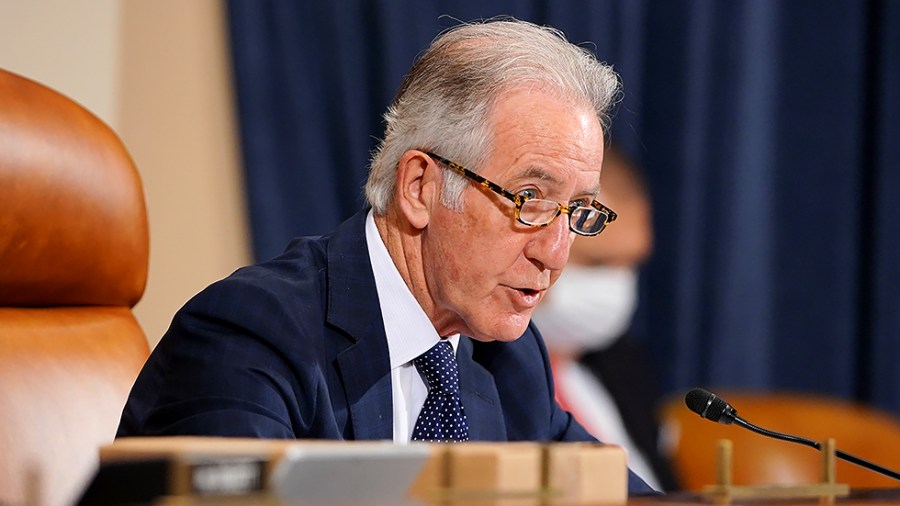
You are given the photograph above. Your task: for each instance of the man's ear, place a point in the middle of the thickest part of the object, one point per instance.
(417, 188)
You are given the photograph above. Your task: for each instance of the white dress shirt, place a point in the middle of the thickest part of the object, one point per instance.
(409, 334)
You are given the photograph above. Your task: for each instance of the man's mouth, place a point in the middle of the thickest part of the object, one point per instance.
(527, 297)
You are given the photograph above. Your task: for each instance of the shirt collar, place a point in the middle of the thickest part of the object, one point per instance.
(409, 331)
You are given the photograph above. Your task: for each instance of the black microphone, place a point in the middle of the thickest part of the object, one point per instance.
(712, 407)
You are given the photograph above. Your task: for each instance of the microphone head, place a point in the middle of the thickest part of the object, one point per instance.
(710, 406)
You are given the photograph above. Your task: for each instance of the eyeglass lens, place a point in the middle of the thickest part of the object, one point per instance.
(583, 220)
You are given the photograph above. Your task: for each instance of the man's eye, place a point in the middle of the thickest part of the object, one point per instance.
(529, 193)
(578, 203)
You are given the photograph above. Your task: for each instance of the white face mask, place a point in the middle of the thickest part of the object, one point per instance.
(588, 308)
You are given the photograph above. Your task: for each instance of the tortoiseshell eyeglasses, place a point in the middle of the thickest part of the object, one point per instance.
(583, 220)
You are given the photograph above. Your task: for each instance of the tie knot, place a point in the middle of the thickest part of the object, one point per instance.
(438, 365)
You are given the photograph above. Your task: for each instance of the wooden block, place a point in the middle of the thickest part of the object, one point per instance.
(434, 478)
(586, 473)
(498, 469)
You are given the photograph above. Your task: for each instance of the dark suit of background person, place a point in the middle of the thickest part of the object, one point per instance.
(602, 373)
(301, 346)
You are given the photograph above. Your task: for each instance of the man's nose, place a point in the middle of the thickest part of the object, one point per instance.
(550, 245)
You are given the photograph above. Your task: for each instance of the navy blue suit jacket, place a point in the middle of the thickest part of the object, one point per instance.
(296, 348)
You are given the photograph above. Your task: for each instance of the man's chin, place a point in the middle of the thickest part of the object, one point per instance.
(504, 334)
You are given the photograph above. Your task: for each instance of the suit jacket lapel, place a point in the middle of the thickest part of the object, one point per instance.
(353, 307)
(479, 396)
(365, 365)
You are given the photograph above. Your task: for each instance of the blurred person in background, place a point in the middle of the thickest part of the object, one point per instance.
(603, 375)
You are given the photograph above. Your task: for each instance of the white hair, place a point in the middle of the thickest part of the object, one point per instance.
(444, 102)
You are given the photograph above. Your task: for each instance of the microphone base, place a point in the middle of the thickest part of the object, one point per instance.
(724, 491)
(802, 491)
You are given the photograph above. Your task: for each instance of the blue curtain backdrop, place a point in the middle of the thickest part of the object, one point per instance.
(769, 131)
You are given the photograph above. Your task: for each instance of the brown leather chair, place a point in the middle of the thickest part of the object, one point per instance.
(859, 430)
(73, 262)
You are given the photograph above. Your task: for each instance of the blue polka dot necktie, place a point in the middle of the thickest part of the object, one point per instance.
(442, 417)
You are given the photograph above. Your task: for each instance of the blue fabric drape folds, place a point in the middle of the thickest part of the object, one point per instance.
(769, 132)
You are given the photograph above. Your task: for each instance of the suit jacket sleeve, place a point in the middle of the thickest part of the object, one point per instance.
(232, 364)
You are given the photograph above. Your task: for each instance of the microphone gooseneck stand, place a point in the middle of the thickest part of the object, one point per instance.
(818, 446)
(712, 407)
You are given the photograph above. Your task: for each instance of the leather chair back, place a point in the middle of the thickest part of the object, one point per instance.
(857, 429)
(73, 262)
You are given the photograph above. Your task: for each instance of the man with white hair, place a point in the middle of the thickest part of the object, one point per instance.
(411, 321)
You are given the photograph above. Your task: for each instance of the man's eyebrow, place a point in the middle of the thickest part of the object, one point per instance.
(534, 172)
(593, 190)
